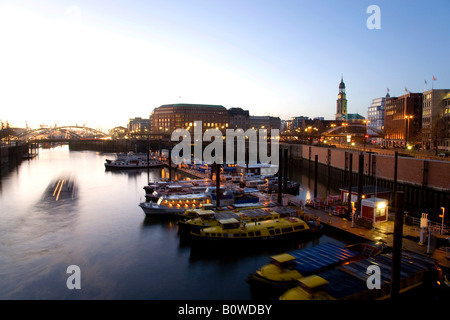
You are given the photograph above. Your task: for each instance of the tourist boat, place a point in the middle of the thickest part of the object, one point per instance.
(61, 189)
(132, 161)
(232, 197)
(349, 280)
(204, 218)
(154, 190)
(285, 269)
(231, 231)
(177, 203)
(171, 205)
(271, 185)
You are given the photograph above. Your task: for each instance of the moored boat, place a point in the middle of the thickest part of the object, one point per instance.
(172, 205)
(132, 161)
(210, 218)
(233, 231)
(349, 281)
(285, 269)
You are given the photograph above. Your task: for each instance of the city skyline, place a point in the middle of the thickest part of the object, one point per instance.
(101, 63)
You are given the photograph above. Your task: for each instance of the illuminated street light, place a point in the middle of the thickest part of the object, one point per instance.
(407, 117)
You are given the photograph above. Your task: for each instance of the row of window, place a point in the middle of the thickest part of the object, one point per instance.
(255, 233)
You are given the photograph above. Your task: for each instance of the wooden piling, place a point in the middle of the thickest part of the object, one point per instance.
(397, 244)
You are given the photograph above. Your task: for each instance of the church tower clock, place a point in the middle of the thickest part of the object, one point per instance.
(341, 102)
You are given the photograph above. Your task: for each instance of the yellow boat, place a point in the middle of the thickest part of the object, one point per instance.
(309, 288)
(232, 230)
(283, 270)
(203, 218)
(350, 281)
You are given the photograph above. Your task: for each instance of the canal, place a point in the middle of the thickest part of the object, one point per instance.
(101, 229)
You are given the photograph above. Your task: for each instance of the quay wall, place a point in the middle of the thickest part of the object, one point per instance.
(418, 172)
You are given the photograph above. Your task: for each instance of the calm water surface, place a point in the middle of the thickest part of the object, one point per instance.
(121, 254)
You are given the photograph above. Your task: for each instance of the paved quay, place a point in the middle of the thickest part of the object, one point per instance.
(383, 231)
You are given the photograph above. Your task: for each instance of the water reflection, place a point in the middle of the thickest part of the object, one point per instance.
(93, 220)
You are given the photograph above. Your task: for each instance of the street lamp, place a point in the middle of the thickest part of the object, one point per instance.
(407, 128)
(366, 136)
(442, 216)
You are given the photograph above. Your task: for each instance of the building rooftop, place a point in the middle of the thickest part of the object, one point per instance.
(189, 105)
(351, 116)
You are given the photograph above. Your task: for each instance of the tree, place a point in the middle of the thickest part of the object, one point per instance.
(438, 129)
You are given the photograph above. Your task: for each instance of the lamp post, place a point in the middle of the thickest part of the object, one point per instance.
(365, 133)
(407, 127)
(442, 216)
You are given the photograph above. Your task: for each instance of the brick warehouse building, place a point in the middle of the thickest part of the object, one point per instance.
(403, 119)
(166, 118)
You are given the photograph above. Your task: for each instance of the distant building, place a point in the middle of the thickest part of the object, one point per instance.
(166, 118)
(403, 119)
(138, 125)
(375, 117)
(436, 119)
(239, 118)
(341, 107)
(299, 122)
(341, 102)
(265, 122)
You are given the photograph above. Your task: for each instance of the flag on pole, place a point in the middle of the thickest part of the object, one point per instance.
(434, 79)
(406, 90)
(425, 81)
(388, 89)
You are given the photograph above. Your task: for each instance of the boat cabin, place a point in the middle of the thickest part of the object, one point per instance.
(206, 214)
(230, 223)
(283, 261)
(312, 284)
(184, 200)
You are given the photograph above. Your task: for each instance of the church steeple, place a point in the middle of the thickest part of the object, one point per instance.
(341, 102)
(342, 85)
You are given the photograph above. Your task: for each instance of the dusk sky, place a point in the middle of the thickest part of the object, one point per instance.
(103, 62)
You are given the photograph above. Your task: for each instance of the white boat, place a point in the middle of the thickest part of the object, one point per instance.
(174, 204)
(132, 161)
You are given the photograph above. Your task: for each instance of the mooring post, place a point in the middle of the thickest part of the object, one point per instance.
(217, 185)
(280, 174)
(169, 161)
(350, 172)
(397, 244)
(394, 187)
(360, 181)
(316, 162)
(285, 169)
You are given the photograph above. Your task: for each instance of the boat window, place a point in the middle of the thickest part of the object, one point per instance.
(236, 235)
(271, 232)
(251, 234)
(277, 231)
(213, 234)
(243, 234)
(257, 233)
(299, 227)
(287, 229)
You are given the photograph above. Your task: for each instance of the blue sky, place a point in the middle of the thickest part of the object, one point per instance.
(103, 62)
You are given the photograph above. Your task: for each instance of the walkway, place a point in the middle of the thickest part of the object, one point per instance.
(383, 231)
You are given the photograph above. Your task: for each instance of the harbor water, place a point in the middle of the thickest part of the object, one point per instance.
(63, 209)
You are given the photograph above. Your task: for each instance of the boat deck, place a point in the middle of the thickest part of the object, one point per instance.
(349, 281)
(311, 260)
